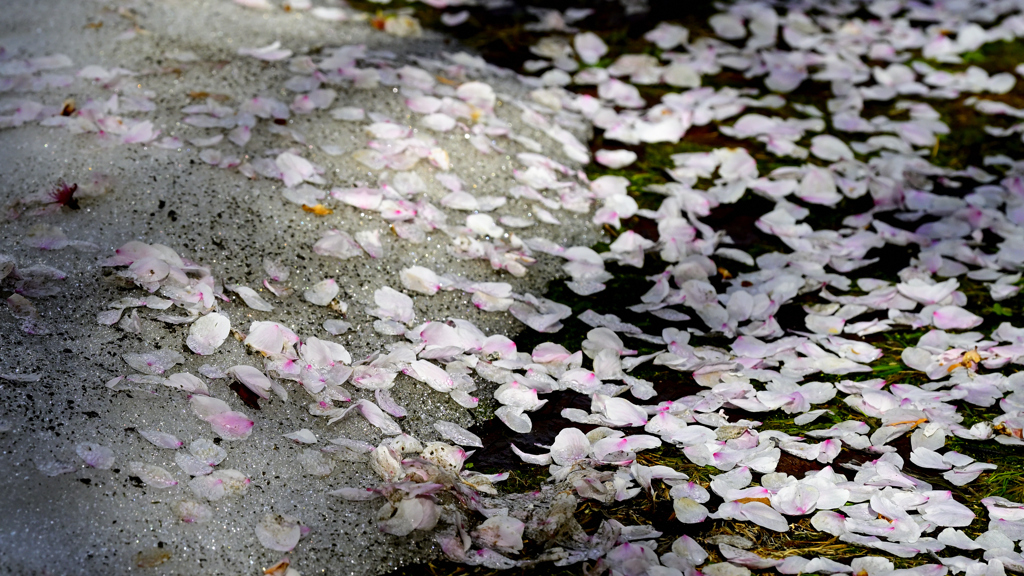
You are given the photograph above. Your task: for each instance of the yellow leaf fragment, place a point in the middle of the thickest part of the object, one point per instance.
(319, 209)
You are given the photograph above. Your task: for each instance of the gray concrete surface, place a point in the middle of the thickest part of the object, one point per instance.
(91, 521)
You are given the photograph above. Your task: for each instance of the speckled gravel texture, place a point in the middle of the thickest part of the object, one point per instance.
(93, 521)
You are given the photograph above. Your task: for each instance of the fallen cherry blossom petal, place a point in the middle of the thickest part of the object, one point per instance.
(161, 439)
(95, 455)
(615, 159)
(208, 333)
(153, 476)
(457, 434)
(279, 532)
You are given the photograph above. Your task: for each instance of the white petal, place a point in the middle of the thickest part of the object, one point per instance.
(947, 513)
(957, 539)
(191, 465)
(796, 499)
(828, 147)
(541, 459)
(432, 375)
(955, 317)
(445, 455)
(438, 121)
(818, 186)
(270, 337)
(207, 406)
(407, 516)
(303, 436)
(154, 476)
(689, 511)
(457, 434)
(207, 451)
(484, 225)
(763, 515)
(728, 26)
(187, 382)
(615, 158)
(926, 458)
(315, 462)
(95, 455)
(927, 293)
(686, 547)
(190, 511)
(220, 484)
(373, 414)
(294, 169)
(231, 425)
(322, 293)
(370, 241)
(607, 447)
(279, 532)
(478, 94)
(355, 494)
(251, 298)
(156, 362)
(336, 327)
(161, 439)
(590, 47)
(337, 244)
(420, 279)
(207, 333)
(388, 404)
(515, 419)
(570, 446)
(501, 532)
(393, 305)
(252, 378)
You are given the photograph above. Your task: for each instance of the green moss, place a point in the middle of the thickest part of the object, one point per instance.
(996, 57)
(968, 143)
(521, 480)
